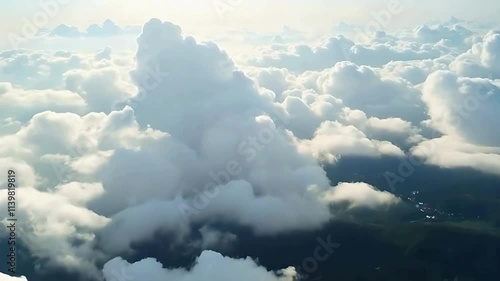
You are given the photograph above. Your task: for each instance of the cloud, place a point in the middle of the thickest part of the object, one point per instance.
(360, 195)
(101, 87)
(276, 79)
(63, 146)
(454, 35)
(415, 72)
(482, 60)
(208, 266)
(463, 107)
(448, 152)
(107, 29)
(214, 239)
(301, 58)
(129, 226)
(38, 69)
(395, 130)
(220, 140)
(20, 167)
(188, 151)
(5, 277)
(333, 139)
(360, 87)
(23, 104)
(64, 30)
(61, 236)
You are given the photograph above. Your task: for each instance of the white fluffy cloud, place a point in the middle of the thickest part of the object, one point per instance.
(360, 87)
(106, 29)
(5, 277)
(482, 60)
(380, 51)
(224, 157)
(333, 139)
(360, 195)
(50, 232)
(463, 107)
(448, 152)
(37, 69)
(208, 266)
(23, 103)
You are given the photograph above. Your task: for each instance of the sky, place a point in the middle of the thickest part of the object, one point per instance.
(190, 126)
(203, 17)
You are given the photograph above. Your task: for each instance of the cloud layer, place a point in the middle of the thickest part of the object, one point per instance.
(178, 139)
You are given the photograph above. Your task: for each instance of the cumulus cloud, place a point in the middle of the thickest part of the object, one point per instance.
(360, 87)
(106, 29)
(415, 72)
(224, 157)
(23, 104)
(300, 58)
(62, 236)
(463, 107)
(208, 266)
(482, 59)
(38, 69)
(100, 88)
(333, 139)
(65, 30)
(455, 35)
(360, 195)
(448, 152)
(22, 168)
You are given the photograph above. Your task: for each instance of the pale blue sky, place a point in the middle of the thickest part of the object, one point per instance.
(256, 13)
(200, 17)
